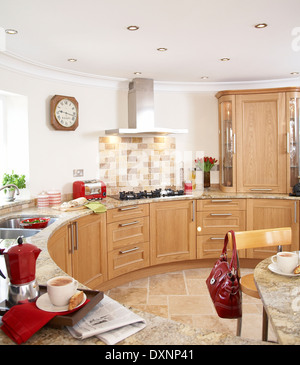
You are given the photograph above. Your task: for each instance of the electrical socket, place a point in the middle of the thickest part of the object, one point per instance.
(78, 173)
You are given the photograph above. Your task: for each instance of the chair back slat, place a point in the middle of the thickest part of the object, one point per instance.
(262, 238)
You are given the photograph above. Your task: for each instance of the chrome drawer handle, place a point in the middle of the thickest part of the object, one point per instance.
(129, 208)
(216, 238)
(128, 224)
(132, 249)
(222, 201)
(261, 189)
(221, 214)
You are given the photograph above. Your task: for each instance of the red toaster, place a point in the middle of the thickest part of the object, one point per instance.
(89, 189)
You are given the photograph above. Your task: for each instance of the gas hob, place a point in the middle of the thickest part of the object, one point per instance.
(157, 193)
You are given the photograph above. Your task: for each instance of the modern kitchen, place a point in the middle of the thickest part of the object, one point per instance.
(133, 137)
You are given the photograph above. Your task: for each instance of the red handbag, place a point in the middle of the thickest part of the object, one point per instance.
(223, 284)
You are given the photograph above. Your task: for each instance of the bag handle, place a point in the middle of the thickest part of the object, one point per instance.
(233, 262)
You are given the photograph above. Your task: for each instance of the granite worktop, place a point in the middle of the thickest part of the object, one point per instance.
(280, 295)
(159, 331)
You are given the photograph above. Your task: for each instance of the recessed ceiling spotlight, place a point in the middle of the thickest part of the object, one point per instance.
(133, 27)
(11, 31)
(224, 59)
(260, 25)
(295, 73)
(72, 59)
(162, 49)
(204, 77)
(137, 73)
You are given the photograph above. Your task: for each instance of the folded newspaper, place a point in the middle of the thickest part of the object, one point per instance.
(110, 321)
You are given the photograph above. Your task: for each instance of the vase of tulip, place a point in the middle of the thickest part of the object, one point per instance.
(205, 164)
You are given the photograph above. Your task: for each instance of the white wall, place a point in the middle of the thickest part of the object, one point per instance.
(54, 154)
(103, 105)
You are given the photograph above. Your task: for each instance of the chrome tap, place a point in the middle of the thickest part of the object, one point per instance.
(10, 186)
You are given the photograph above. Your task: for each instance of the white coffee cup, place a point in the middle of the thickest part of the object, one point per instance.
(285, 261)
(60, 289)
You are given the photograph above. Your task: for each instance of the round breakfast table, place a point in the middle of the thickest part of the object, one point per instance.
(280, 295)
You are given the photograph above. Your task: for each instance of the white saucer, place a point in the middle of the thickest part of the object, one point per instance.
(43, 303)
(274, 268)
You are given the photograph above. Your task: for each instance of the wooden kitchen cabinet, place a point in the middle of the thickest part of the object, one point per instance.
(272, 213)
(172, 231)
(79, 249)
(127, 239)
(261, 143)
(215, 217)
(227, 143)
(256, 151)
(58, 247)
(293, 118)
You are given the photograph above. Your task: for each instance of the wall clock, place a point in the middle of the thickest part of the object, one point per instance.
(64, 113)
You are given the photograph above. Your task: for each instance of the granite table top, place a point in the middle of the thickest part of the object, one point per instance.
(280, 295)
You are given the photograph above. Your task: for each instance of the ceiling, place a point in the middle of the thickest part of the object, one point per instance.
(196, 33)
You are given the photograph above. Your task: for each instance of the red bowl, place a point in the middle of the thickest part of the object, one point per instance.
(35, 222)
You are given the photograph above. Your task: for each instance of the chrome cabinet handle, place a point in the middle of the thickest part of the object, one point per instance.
(128, 224)
(72, 238)
(216, 238)
(222, 201)
(74, 247)
(234, 144)
(76, 235)
(132, 249)
(193, 217)
(128, 208)
(261, 189)
(220, 214)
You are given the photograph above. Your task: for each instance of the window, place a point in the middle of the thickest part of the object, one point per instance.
(14, 147)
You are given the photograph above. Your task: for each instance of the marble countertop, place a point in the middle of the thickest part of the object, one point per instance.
(158, 330)
(281, 298)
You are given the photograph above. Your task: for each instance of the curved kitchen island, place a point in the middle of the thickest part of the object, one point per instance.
(158, 330)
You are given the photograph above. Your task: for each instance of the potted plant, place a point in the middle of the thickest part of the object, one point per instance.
(18, 180)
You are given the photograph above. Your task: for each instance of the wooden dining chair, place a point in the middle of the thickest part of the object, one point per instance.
(255, 239)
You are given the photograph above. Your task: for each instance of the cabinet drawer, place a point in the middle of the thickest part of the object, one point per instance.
(128, 212)
(221, 204)
(220, 222)
(129, 258)
(211, 246)
(129, 231)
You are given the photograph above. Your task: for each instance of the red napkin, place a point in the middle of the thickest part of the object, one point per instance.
(23, 320)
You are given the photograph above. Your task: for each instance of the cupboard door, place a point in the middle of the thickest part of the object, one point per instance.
(129, 231)
(129, 258)
(261, 143)
(60, 250)
(220, 222)
(227, 146)
(273, 213)
(127, 212)
(293, 128)
(89, 253)
(173, 231)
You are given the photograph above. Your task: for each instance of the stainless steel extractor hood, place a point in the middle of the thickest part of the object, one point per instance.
(141, 111)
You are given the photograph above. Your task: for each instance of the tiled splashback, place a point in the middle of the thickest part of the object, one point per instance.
(137, 163)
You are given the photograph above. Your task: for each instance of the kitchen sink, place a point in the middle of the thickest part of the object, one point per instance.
(13, 223)
(10, 228)
(14, 233)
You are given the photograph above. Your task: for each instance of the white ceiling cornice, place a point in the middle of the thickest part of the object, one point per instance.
(17, 64)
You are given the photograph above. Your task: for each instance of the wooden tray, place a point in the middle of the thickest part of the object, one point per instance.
(70, 319)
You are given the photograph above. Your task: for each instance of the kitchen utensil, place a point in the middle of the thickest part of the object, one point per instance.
(20, 262)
